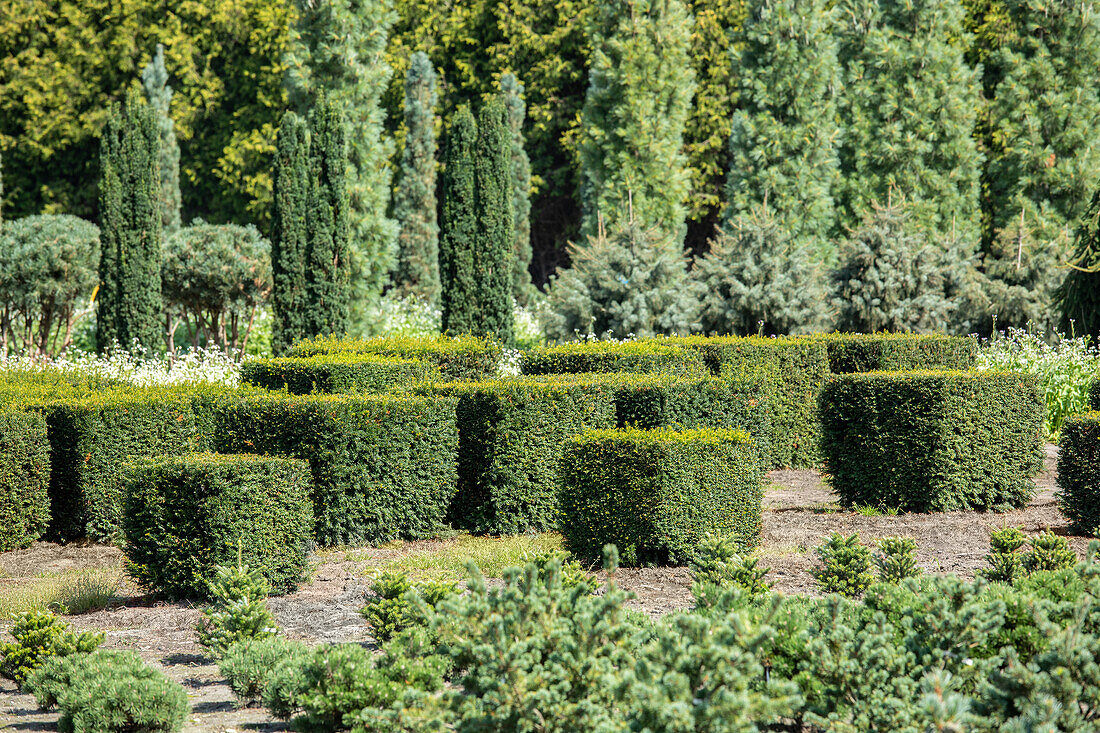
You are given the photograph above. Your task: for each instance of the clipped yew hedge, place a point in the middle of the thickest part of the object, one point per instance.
(1079, 472)
(383, 466)
(186, 515)
(459, 357)
(24, 478)
(654, 493)
(932, 440)
(873, 352)
(611, 356)
(334, 373)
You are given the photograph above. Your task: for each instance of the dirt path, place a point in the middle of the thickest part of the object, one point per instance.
(799, 514)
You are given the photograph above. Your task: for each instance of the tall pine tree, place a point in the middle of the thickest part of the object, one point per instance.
(785, 134)
(909, 107)
(495, 234)
(288, 233)
(1079, 294)
(159, 95)
(327, 292)
(129, 300)
(414, 205)
(640, 86)
(511, 92)
(458, 228)
(338, 46)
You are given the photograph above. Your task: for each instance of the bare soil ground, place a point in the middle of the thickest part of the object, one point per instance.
(800, 512)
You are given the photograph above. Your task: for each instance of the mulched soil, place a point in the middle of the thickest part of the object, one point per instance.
(799, 513)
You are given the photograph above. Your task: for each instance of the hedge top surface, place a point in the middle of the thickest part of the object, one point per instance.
(397, 345)
(338, 358)
(336, 372)
(884, 336)
(921, 375)
(607, 356)
(558, 382)
(663, 436)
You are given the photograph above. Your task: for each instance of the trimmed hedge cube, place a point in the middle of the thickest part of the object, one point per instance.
(1079, 472)
(383, 465)
(611, 356)
(932, 440)
(24, 478)
(460, 357)
(334, 373)
(655, 493)
(888, 352)
(186, 515)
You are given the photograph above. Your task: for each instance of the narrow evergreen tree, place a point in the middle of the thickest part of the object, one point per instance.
(785, 133)
(1079, 294)
(159, 95)
(458, 228)
(494, 241)
(327, 292)
(338, 46)
(129, 298)
(414, 201)
(511, 91)
(640, 86)
(909, 108)
(291, 184)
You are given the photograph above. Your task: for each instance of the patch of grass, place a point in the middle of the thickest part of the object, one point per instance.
(866, 510)
(830, 508)
(784, 550)
(447, 559)
(70, 593)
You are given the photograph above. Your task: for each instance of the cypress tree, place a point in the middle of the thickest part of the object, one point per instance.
(159, 95)
(414, 205)
(130, 228)
(458, 227)
(327, 292)
(291, 184)
(910, 106)
(640, 86)
(1079, 294)
(785, 134)
(494, 239)
(338, 46)
(511, 92)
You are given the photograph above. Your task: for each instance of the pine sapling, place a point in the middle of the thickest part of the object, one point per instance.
(897, 559)
(1003, 557)
(1049, 552)
(846, 566)
(239, 610)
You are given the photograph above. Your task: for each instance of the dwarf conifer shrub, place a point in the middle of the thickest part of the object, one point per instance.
(845, 566)
(249, 664)
(109, 692)
(1003, 558)
(720, 562)
(459, 357)
(39, 636)
(1048, 552)
(888, 352)
(186, 516)
(24, 478)
(391, 610)
(1079, 472)
(334, 373)
(239, 611)
(932, 441)
(654, 493)
(896, 559)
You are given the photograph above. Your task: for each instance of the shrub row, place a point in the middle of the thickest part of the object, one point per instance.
(462, 357)
(334, 373)
(24, 478)
(654, 493)
(932, 440)
(611, 356)
(890, 352)
(1079, 472)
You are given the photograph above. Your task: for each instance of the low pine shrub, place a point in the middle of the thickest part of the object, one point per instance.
(1079, 472)
(890, 352)
(249, 664)
(1004, 556)
(932, 441)
(391, 610)
(347, 373)
(719, 564)
(896, 559)
(383, 466)
(845, 566)
(24, 478)
(39, 636)
(1048, 553)
(186, 516)
(460, 357)
(239, 611)
(611, 357)
(654, 493)
(109, 692)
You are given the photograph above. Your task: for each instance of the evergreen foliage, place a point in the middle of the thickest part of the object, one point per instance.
(328, 270)
(845, 565)
(511, 93)
(719, 561)
(640, 86)
(129, 302)
(154, 79)
(909, 108)
(239, 612)
(249, 664)
(626, 280)
(1022, 270)
(414, 205)
(896, 559)
(494, 239)
(1004, 558)
(759, 278)
(458, 228)
(38, 637)
(785, 132)
(337, 50)
(289, 237)
(1078, 297)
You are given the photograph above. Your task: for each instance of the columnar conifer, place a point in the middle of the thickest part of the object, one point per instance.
(327, 293)
(511, 91)
(288, 233)
(129, 298)
(154, 79)
(495, 233)
(414, 205)
(458, 227)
